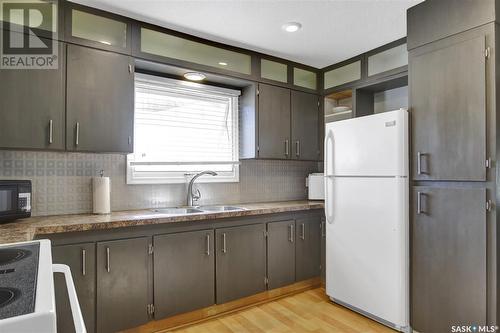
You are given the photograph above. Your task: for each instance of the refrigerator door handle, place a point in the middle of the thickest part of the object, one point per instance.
(328, 176)
(328, 158)
(328, 200)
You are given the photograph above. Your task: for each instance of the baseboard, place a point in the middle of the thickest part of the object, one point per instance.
(218, 310)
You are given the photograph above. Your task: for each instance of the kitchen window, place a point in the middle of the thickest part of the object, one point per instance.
(182, 128)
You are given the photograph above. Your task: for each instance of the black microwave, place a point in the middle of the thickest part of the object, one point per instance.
(15, 199)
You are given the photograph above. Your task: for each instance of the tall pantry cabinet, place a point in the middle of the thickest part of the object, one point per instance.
(453, 93)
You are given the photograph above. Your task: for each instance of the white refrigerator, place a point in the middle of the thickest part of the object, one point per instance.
(366, 208)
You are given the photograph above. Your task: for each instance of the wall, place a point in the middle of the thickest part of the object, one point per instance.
(390, 100)
(62, 182)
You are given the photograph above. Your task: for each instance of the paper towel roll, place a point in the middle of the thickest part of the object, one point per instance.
(102, 195)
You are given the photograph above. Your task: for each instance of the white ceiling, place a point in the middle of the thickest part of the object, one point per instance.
(332, 30)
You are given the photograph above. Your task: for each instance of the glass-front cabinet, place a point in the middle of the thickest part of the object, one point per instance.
(342, 75)
(97, 29)
(387, 60)
(166, 45)
(304, 78)
(273, 70)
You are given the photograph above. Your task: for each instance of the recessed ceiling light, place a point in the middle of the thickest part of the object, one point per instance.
(195, 76)
(292, 26)
(222, 63)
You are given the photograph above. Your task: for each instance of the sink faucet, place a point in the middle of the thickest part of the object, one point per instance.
(191, 197)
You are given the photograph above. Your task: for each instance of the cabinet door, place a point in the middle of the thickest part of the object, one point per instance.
(184, 272)
(122, 284)
(448, 107)
(448, 258)
(305, 126)
(280, 253)
(100, 101)
(308, 248)
(241, 262)
(274, 122)
(32, 107)
(81, 260)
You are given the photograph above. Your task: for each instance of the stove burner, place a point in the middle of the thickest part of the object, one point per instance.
(8, 295)
(9, 256)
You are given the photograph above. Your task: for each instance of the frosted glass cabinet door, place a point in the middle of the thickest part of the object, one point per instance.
(341, 75)
(273, 70)
(165, 45)
(304, 78)
(98, 31)
(387, 60)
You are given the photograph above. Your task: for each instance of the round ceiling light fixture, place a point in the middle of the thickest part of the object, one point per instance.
(292, 26)
(195, 76)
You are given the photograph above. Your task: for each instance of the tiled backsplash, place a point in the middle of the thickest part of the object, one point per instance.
(62, 182)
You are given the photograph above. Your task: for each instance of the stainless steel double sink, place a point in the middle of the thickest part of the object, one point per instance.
(197, 210)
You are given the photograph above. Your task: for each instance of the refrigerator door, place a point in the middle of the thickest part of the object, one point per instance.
(367, 246)
(375, 145)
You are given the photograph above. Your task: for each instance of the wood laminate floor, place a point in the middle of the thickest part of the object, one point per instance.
(309, 311)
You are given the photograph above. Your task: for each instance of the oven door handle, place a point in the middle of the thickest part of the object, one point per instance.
(73, 299)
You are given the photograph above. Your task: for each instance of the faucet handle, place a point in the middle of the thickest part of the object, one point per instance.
(197, 195)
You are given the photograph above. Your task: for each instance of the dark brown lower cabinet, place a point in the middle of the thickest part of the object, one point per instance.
(308, 247)
(323, 250)
(240, 261)
(448, 263)
(122, 284)
(184, 272)
(81, 260)
(280, 253)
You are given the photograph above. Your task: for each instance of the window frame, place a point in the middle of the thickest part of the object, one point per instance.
(182, 177)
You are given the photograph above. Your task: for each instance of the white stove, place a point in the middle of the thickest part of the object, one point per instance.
(27, 302)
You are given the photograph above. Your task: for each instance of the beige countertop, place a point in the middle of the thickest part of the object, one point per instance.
(27, 229)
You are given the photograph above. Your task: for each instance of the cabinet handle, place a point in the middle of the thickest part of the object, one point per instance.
(224, 248)
(84, 262)
(208, 245)
(419, 163)
(107, 260)
(419, 203)
(51, 131)
(290, 236)
(287, 147)
(129, 68)
(302, 231)
(297, 148)
(323, 227)
(77, 139)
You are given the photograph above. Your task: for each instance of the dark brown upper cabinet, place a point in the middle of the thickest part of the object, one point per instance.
(448, 107)
(274, 122)
(305, 126)
(433, 20)
(99, 101)
(91, 27)
(32, 107)
(279, 123)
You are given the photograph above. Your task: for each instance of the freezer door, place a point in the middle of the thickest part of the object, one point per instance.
(367, 246)
(375, 145)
